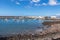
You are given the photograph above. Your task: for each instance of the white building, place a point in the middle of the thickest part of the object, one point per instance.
(53, 17)
(41, 17)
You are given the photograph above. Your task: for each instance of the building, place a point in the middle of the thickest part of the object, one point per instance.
(53, 17)
(41, 17)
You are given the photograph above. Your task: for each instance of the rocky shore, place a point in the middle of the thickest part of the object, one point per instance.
(51, 33)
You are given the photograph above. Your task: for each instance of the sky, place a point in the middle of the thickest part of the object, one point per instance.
(29, 7)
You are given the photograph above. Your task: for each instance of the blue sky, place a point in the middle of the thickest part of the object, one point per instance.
(29, 7)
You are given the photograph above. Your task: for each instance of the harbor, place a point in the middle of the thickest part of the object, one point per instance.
(29, 19)
(49, 31)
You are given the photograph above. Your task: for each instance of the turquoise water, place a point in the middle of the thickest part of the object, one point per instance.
(16, 26)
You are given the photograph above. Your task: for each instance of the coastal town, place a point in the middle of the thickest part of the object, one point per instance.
(28, 17)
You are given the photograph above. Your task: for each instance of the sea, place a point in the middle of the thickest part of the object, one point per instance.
(13, 26)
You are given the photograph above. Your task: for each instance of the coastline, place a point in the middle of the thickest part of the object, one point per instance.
(50, 31)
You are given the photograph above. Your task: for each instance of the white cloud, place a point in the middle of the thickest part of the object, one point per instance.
(17, 3)
(44, 4)
(37, 4)
(35, 0)
(52, 2)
